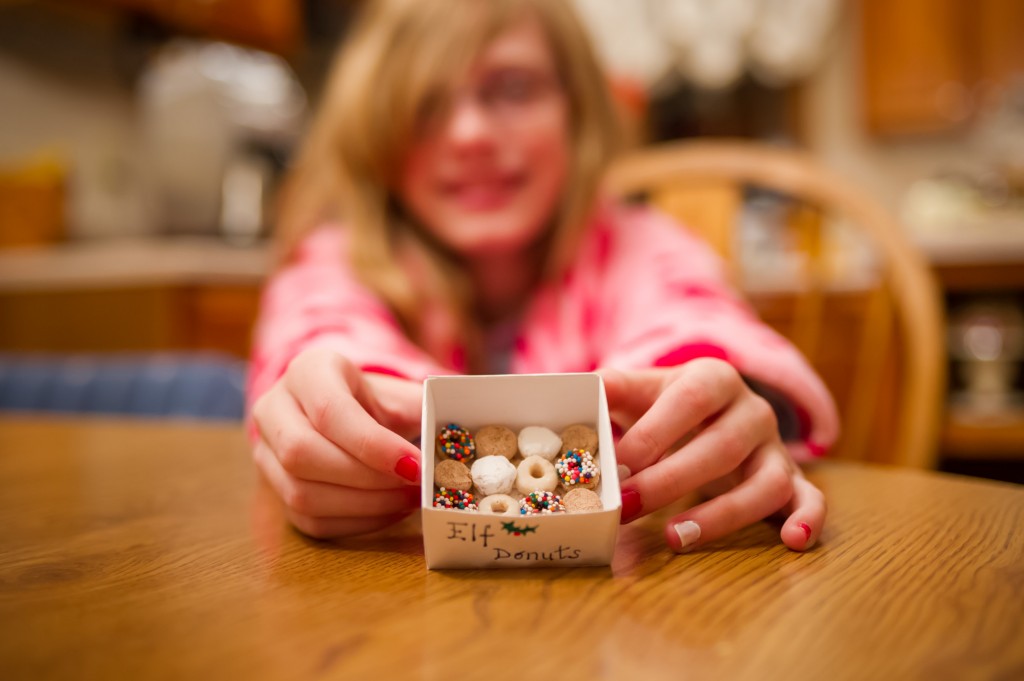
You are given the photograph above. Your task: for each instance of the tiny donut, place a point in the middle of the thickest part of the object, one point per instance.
(577, 468)
(541, 503)
(539, 441)
(455, 499)
(453, 474)
(496, 441)
(580, 500)
(535, 474)
(579, 436)
(492, 475)
(499, 504)
(455, 442)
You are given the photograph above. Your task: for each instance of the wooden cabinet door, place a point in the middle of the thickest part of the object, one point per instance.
(929, 65)
(274, 25)
(999, 42)
(916, 75)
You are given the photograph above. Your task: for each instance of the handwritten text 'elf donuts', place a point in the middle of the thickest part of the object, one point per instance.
(459, 531)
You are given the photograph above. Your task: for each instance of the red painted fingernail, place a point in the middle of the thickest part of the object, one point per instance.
(616, 431)
(815, 449)
(631, 505)
(806, 528)
(409, 468)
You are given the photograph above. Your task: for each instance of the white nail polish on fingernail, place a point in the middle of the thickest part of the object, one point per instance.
(689, 533)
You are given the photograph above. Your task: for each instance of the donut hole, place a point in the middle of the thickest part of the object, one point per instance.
(536, 471)
(499, 507)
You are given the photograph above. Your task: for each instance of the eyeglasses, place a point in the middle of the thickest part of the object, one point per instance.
(505, 94)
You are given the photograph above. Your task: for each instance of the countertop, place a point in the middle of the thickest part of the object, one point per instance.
(133, 262)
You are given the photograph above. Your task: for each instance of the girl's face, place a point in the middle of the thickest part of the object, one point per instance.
(491, 156)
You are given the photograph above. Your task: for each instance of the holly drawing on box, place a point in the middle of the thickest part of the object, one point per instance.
(517, 531)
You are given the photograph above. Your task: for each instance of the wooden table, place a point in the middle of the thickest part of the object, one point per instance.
(139, 550)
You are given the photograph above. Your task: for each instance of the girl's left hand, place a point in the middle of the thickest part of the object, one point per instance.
(699, 426)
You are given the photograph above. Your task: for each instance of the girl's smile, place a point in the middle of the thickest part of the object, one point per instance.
(483, 193)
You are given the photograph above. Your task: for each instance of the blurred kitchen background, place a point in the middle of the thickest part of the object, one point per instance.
(142, 142)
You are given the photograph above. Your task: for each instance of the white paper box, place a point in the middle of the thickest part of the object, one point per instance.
(465, 539)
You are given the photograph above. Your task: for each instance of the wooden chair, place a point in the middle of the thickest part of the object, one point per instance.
(879, 344)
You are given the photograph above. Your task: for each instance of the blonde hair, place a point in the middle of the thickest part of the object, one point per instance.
(399, 53)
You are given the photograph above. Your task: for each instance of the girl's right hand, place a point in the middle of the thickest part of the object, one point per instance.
(330, 450)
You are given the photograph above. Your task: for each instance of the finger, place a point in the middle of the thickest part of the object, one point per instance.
(715, 452)
(307, 454)
(329, 528)
(768, 488)
(807, 511)
(325, 500)
(328, 398)
(632, 392)
(699, 390)
(400, 401)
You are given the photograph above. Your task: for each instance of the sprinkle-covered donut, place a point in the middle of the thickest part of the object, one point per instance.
(499, 504)
(455, 442)
(577, 468)
(535, 473)
(455, 499)
(541, 503)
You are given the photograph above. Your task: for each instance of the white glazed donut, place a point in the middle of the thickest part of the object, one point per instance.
(539, 441)
(536, 474)
(499, 504)
(493, 475)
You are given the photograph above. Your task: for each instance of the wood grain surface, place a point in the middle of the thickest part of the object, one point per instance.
(139, 550)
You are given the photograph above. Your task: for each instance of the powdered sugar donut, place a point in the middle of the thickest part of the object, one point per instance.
(536, 474)
(493, 475)
(539, 441)
(495, 441)
(499, 504)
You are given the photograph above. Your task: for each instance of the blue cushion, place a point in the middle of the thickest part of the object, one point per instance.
(202, 386)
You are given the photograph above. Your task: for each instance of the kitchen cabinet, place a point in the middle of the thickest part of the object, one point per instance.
(982, 267)
(929, 66)
(143, 296)
(152, 318)
(273, 25)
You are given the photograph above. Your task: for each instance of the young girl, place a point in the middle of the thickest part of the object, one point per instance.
(446, 217)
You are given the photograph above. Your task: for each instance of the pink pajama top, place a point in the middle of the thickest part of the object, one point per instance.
(643, 292)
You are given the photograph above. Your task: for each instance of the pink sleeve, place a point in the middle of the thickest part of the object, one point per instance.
(671, 304)
(315, 301)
